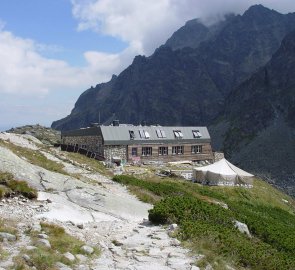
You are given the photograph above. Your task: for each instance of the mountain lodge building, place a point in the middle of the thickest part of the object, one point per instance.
(139, 144)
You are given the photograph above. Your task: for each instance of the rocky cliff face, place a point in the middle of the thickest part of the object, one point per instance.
(259, 121)
(188, 85)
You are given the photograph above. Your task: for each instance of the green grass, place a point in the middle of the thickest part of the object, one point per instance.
(34, 157)
(7, 227)
(9, 186)
(208, 229)
(93, 164)
(61, 242)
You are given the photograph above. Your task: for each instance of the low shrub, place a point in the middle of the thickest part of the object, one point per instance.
(162, 189)
(22, 187)
(5, 177)
(2, 192)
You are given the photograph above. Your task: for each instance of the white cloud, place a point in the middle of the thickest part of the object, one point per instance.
(144, 25)
(24, 71)
(36, 89)
(149, 24)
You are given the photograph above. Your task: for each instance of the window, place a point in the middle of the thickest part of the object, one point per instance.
(197, 134)
(196, 149)
(134, 151)
(132, 134)
(141, 133)
(147, 135)
(146, 151)
(144, 134)
(163, 151)
(178, 134)
(160, 133)
(177, 150)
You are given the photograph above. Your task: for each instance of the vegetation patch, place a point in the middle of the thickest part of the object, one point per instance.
(9, 186)
(87, 162)
(7, 227)
(209, 229)
(44, 258)
(60, 240)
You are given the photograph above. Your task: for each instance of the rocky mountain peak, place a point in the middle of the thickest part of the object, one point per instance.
(190, 35)
(258, 10)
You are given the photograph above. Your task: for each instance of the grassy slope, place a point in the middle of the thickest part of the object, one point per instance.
(208, 228)
(34, 157)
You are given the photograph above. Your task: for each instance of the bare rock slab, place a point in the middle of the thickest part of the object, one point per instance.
(44, 242)
(87, 249)
(69, 256)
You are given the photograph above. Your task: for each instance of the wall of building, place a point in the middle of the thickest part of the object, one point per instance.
(187, 154)
(90, 143)
(118, 151)
(95, 144)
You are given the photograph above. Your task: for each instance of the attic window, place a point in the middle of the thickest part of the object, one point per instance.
(160, 133)
(144, 134)
(178, 134)
(141, 133)
(197, 134)
(132, 134)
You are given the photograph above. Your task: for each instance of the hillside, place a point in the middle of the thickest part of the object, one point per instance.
(187, 85)
(81, 218)
(259, 121)
(79, 205)
(206, 218)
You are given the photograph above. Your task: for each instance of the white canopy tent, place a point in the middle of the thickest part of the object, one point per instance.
(222, 173)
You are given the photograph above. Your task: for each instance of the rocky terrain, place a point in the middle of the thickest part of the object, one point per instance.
(89, 206)
(44, 134)
(258, 127)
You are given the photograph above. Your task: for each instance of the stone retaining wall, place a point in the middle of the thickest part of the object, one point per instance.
(90, 143)
(119, 151)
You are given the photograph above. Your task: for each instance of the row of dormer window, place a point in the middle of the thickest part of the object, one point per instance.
(143, 134)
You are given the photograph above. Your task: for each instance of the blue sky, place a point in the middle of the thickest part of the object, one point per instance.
(51, 22)
(53, 50)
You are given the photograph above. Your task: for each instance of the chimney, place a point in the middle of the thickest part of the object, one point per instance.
(116, 123)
